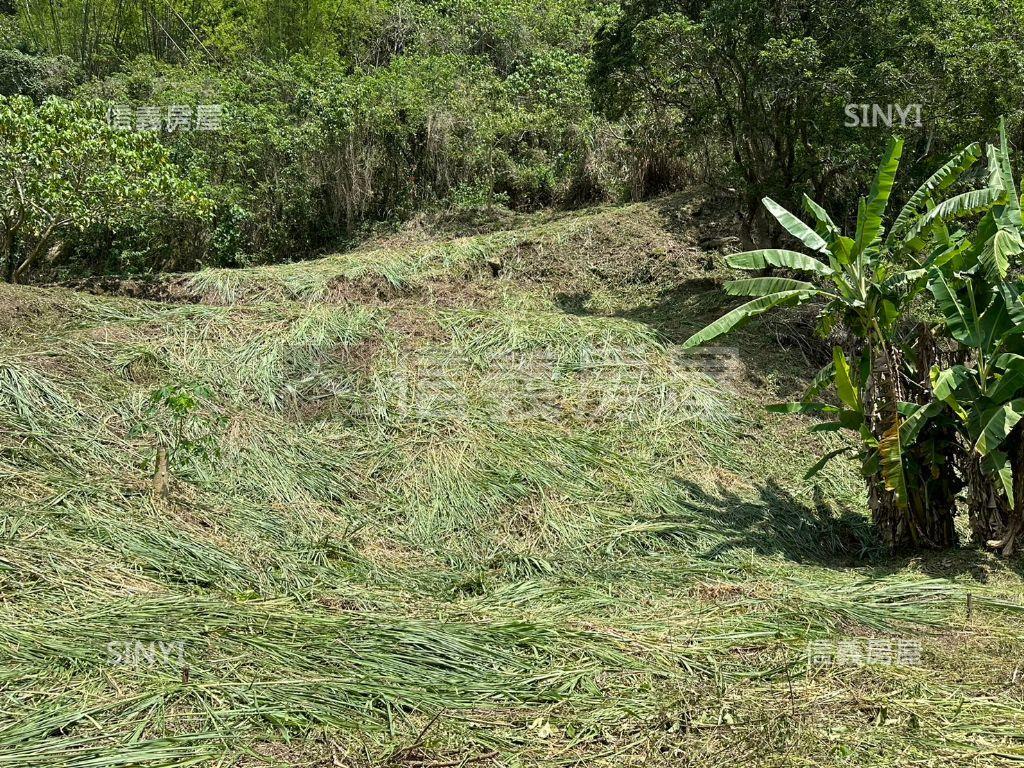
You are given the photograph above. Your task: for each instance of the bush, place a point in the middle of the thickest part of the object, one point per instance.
(67, 178)
(37, 77)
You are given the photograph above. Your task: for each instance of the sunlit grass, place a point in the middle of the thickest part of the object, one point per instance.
(501, 533)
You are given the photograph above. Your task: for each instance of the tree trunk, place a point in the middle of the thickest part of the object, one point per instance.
(44, 243)
(987, 507)
(1006, 541)
(6, 260)
(927, 521)
(7, 254)
(932, 486)
(162, 474)
(886, 516)
(882, 393)
(930, 465)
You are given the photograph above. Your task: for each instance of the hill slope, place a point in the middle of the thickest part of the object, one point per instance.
(458, 502)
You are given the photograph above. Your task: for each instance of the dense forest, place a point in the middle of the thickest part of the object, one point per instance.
(341, 116)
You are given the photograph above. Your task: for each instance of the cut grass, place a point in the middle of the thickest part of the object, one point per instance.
(398, 553)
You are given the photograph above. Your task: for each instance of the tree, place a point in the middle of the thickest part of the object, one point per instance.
(36, 76)
(980, 303)
(867, 284)
(63, 170)
(767, 80)
(762, 86)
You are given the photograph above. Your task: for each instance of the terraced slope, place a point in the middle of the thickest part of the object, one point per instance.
(445, 503)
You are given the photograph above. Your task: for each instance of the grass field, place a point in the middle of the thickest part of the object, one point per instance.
(462, 503)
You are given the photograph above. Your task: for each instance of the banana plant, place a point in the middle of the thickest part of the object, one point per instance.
(866, 283)
(982, 311)
(997, 239)
(859, 277)
(986, 395)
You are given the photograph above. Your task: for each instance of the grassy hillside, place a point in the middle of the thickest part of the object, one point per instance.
(458, 502)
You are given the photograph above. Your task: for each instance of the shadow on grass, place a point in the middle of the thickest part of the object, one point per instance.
(780, 346)
(676, 313)
(779, 523)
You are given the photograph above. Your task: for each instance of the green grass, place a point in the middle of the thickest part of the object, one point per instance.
(469, 526)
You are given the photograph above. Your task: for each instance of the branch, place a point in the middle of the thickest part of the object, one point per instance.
(34, 254)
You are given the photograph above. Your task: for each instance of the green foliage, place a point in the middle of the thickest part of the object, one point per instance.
(64, 171)
(977, 292)
(911, 390)
(347, 113)
(310, 151)
(766, 85)
(175, 415)
(36, 76)
(868, 287)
